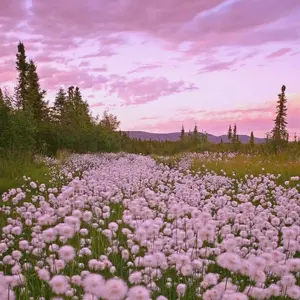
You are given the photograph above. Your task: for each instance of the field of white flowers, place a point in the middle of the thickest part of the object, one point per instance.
(123, 226)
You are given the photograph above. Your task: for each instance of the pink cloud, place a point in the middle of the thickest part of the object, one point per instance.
(217, 66)
(279, 53)
(53, 78)
(7, 71)
(7, 76)
(246, 15)
(84, 64)
(11, 13)
(148, 118)
(256, 37)
(99, 69)
(107, 51)
(146, 89)
(295, 53)
(42, 58)
(98, 104)
(7, 50)
(172, 20)
(107, 25)
(144, 68)
(87, 18)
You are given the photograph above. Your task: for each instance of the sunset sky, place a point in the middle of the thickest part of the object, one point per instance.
(158, 64)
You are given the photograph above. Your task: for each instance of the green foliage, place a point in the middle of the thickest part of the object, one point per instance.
(35, 96)
(17, 130)
(109, 121)
(16, 164)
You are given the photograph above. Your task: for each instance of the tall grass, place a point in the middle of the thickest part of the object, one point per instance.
(242, 165)
(14, 166)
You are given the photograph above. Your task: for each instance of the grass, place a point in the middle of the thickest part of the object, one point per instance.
(240, 165)
(14, 167)
(171, 161)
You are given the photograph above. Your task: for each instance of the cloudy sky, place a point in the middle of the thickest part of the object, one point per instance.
(158, 64)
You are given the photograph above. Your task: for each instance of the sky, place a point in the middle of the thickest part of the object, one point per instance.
(161, 64)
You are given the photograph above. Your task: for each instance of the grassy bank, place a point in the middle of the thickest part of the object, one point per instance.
(241, 165)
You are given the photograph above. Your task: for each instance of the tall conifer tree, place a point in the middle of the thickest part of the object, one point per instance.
(35, 95)
(251, 142)
(234, 136)
(182, 133)
(279, 132)
(229, 134)
(22, 85)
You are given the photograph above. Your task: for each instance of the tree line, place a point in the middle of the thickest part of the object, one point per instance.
(29, 124)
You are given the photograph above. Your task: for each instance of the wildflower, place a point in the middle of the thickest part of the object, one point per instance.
(59, 284)
(94, 284)
(66, 253)
(115, 289)
(138, 292)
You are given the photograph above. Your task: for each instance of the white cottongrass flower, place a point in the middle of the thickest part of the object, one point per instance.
(94, 284)
(115, 289)
(59, 284)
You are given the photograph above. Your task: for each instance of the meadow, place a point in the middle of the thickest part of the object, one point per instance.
(118, 226)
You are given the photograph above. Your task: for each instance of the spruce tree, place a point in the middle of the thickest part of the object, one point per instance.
(59, 104)
(195, 135)
(251, 142)
(34, 95)
(68, 117)
(279, 132)
(195, 131)
(81, 108)
(70, 94)
(234, 136)
(22, 85)
(267, 137)
(229, 135)
(7, 98)
(182, 133)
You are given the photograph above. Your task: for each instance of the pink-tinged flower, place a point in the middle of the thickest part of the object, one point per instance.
(138, 293)
(181, 288)
(66, 253)
(135, 277)
(293, 292)
(94, 284)
(115, 289)
(44, 274)
(59, 284)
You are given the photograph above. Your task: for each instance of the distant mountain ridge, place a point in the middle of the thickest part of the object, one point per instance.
(175, 136)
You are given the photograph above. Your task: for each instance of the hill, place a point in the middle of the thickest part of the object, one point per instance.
(175, 136)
